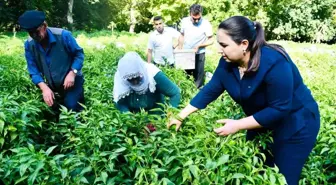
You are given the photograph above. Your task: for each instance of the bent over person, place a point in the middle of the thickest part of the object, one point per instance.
(54, 60)
(262, 78)
(140, 85)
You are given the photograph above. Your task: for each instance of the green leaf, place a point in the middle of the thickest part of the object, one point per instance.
(99, 179)
(194, 170)
(167, 182)
(137, 172)
(160, 170)
(2, 125)
(31, 147)
(250, 179)
(100, 142)
(2, 115)
(33, 176)
(210, 164)
(21, 179)
(104, 176)
(173, 171)
(102, 154)
(23, 168)
(25, 158)
(120, 150)
(185, 174)
(255, 160)
(2, 142)
(68, 160)
(11, 128)
(84, 180)
(188, 163)
(224, 159)
(85, 170)
(50, 149)
(237, 176)
(324, 150)
(13, 136)
(272, 179)
(159, 161)
(64, 173)
(170, 159)
(8, 173)
(57, 157)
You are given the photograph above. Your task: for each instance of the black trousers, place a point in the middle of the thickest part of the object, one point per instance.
(72, 97)
(198, 73)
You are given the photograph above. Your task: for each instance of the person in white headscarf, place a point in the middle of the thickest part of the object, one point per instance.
(140, 85)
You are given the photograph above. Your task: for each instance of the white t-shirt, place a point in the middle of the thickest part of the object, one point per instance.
(195, 34)
(162, 45)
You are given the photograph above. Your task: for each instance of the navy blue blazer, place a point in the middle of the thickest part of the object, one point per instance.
(274, 95)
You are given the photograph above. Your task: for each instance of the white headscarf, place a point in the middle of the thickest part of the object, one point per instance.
(131, 66)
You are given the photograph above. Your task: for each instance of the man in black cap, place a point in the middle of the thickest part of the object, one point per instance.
(54, 54)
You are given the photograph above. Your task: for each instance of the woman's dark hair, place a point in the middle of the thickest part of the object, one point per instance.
(240, 28)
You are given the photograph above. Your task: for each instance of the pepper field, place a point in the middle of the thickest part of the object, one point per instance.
(102, 146)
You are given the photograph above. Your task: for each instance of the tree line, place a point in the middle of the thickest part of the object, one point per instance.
(297, 20)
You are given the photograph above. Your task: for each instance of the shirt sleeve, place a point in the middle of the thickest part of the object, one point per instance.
(168, 88)
(34, 72)
(150, 44)
(183, 26)
(211, 90)
(74, 49)
(122, 105)
(208, 29)
(279, 94)
(175, 33)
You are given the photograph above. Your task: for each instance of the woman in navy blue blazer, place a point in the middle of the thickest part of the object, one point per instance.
(262, 78)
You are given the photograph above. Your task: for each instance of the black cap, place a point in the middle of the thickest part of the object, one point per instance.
(31, 19)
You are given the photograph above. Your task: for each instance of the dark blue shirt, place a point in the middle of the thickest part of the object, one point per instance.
(274, 95)
(70, 45)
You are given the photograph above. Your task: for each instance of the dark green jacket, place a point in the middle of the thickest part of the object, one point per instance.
(164, 87)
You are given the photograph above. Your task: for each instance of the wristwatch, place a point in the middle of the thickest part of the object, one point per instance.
(75, 71)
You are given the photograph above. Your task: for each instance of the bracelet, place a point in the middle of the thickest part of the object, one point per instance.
(179, 118)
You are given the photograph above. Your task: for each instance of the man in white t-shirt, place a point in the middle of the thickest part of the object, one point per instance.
(160, 44)
(196, 34)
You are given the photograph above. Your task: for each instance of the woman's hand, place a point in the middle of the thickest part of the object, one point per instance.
(231, 126)
(174, 122)
(189, 109)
